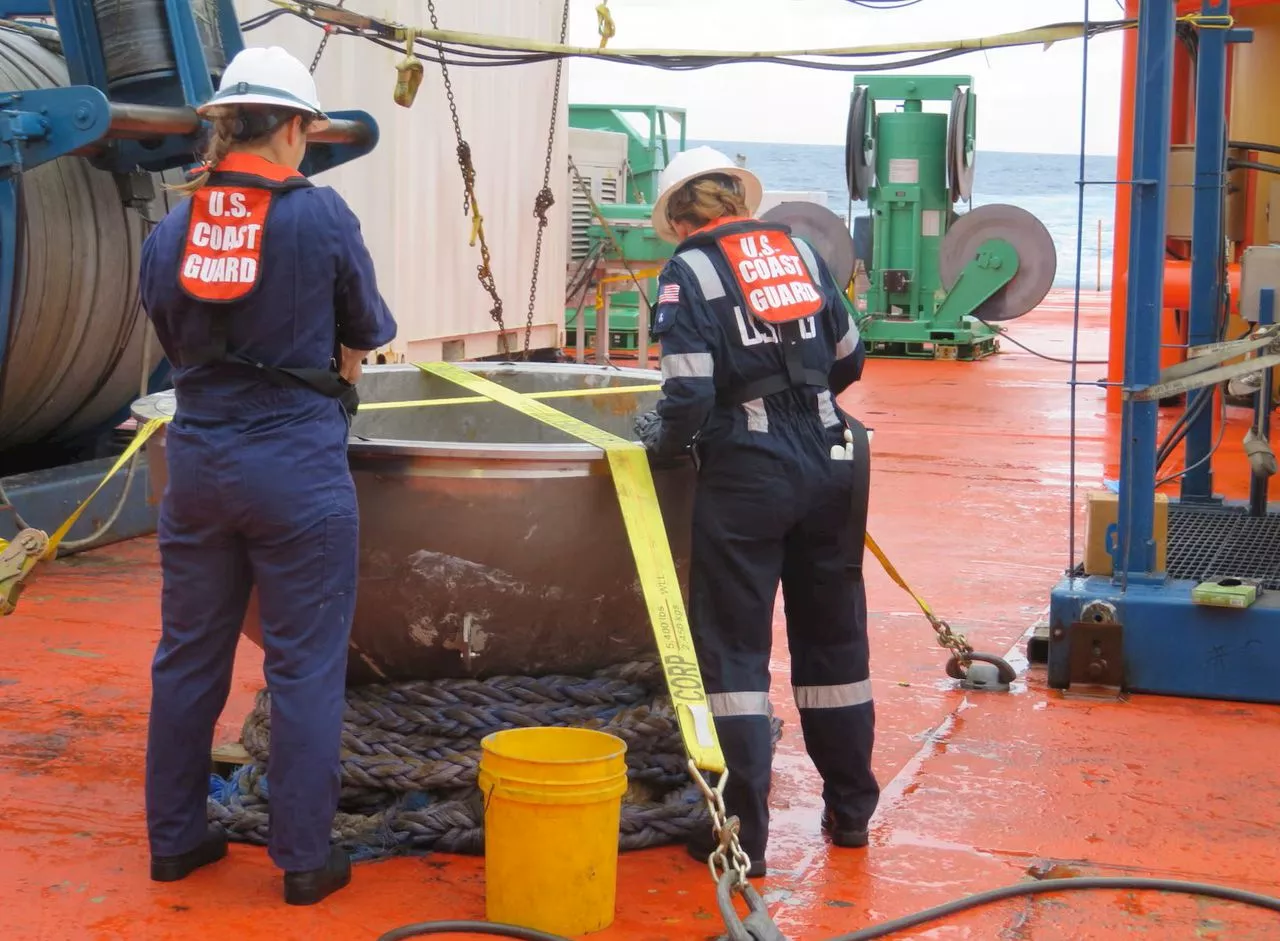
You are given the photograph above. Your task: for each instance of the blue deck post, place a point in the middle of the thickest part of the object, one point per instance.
(1206, 240)
(1135, 546)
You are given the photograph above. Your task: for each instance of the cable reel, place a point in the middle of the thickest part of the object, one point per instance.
(823, 229)
(860, 145)
(1037, 258)
(961, 148)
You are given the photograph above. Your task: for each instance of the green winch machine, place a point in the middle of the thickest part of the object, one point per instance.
(936, 278)
(620, 230)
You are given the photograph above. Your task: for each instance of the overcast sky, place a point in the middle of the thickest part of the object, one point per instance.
(1029, 97)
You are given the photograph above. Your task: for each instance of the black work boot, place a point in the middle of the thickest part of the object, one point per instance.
(307, 888)
(175, 868)
(702, 845)
(843, 832)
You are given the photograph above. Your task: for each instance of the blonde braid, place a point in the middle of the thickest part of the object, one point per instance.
(221, 139)
(705, 200)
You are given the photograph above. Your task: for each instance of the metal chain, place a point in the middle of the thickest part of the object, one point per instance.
(959, 646)
(545, 199)
(324, 41)
(484, 271)
(728, 854)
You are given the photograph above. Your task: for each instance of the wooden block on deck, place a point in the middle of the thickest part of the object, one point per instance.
(226, 758)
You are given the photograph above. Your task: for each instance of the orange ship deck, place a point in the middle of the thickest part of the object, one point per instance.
(981, 789)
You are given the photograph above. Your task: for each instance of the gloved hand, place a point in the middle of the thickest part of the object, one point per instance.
(648, 425)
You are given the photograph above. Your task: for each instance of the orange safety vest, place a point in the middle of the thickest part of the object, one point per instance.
(222, 260)
(771, 276)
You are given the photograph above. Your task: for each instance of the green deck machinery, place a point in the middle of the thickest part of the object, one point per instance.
(628, 225)
(936, 278)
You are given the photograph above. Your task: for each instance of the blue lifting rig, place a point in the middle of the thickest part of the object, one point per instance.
(136, 70)
(1203, 625)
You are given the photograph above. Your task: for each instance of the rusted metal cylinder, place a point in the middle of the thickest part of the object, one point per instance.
(490, 543)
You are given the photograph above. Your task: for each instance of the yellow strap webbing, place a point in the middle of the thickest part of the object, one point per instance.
(59, 534)
(556, 394)
(648, 537)
(893, 573)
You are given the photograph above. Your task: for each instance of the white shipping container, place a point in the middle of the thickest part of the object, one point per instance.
(408, 193)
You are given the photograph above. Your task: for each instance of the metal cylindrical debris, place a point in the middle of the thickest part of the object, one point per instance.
(489, 542)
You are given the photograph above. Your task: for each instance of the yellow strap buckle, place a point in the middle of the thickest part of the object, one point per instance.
(19, 557)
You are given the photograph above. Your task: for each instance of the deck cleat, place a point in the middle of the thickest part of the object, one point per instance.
(982, 671)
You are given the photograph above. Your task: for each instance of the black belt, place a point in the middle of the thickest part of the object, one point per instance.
(325, 381)
(771, 385)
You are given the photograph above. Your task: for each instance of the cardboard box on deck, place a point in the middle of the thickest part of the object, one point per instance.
(1103, 508)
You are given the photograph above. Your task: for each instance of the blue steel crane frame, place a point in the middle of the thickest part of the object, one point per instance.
(1165, 643)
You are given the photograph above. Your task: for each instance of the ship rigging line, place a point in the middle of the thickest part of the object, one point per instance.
(489, 50)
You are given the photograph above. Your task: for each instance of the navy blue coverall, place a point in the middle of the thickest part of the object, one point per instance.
(770, 505)
(259, 493)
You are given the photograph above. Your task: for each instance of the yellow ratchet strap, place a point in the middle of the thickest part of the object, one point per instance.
(144, 433)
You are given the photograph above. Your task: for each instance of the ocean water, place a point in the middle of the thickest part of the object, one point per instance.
(1042, 184)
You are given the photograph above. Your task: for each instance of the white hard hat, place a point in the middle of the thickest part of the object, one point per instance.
(267, 76)
(689, 165)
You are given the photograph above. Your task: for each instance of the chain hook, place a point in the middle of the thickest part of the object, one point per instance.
(728, 856)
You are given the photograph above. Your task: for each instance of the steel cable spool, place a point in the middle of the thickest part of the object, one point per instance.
(136, 43)
(76, 329)
(859, 145)
(1037, 257)
(960, 152)
(823, 229)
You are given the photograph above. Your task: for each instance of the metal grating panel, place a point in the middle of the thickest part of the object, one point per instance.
(1207, 543)
(604, 190)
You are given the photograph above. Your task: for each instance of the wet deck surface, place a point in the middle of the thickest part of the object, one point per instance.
(969, 499)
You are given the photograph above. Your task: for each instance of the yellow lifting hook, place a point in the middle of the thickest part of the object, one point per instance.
(408, 73)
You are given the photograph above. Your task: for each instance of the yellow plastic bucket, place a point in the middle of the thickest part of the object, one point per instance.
(553, 802)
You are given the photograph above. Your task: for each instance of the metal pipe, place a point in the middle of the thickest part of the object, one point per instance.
(1260, 484)
(1206, 241)
(1135, 550)
(143, 122)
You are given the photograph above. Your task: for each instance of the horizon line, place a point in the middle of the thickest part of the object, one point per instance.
(984, 150)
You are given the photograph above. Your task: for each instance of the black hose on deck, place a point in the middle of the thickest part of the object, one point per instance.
(1076, 884)
(977, 900)
(469, 927)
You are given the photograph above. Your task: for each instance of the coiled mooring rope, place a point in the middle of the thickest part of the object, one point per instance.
(411, 752)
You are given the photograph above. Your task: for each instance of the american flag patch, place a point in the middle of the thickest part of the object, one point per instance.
(670, 294)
